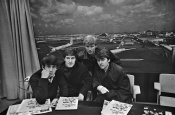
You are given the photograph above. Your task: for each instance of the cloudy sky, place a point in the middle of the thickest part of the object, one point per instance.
(53, 17)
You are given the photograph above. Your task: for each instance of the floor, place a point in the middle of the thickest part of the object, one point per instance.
(5, 103)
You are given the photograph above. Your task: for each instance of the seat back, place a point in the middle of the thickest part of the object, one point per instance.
(135, 89)
(131, 78)
(167, 82)
(167, 101)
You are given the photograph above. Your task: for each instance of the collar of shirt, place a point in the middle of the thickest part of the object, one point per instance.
(50, 79)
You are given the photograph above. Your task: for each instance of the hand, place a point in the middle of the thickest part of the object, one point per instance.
(45, 74)
(80, 97)
(102, 89)
(54, 102)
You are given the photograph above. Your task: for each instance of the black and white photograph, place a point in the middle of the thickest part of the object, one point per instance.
(95, 50)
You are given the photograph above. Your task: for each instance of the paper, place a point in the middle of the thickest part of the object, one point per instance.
(12, 109)
(168, 113)
(147, 110)
(31, 105)
(116, 108)
(67, 103)
(105, 103)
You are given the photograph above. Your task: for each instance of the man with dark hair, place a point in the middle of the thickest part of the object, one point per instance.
(87, 56)
(45, 82)
(110, 81)
(76, 76)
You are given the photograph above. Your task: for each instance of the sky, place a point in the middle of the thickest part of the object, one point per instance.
(55, 17)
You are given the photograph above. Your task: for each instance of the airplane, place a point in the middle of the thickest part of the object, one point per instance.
(53, 49)
(120, 50)
(115, 51)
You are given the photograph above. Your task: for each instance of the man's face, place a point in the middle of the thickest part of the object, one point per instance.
(69, 61)
(103, 63)
(90, 48)
(51, 68)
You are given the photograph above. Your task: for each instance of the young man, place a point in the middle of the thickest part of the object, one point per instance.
(110, 81)
(45, 82)
(87, 56)
(77, 80)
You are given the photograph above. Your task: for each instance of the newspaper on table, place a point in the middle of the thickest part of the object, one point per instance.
(116, 108)
(12, 109)
(105, 103)
(32, 106)
(67, 103)
(148, 110)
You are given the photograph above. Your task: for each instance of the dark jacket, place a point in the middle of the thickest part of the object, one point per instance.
(90, 61)
(42, 88)
(115, 80)
(76, 80)
(87, 60)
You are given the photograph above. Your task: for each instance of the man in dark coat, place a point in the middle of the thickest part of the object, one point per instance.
(45, 82)
(110, 81)
(77, 80)
(87, 56)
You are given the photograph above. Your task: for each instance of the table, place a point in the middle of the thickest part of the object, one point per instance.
(94, 108)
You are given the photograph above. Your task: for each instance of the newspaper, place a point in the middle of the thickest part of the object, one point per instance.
(116, 108)
(105, 103)
(31, 106)
(67, 103)
(12, 109)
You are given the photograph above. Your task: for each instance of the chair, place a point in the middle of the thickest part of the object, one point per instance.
(166, 84)
(135, 89)
(27, 87)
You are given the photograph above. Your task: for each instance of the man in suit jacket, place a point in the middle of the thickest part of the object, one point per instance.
(110, 81)
(76, 78)
(45, 82)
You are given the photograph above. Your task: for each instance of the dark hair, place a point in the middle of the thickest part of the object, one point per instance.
(70, 52)
(102, 53)
(50, 60)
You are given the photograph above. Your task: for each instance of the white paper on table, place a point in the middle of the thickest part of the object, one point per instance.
(12, 109)
(42, 111)
(116, 108)
(67, 103)
(168, 113)
(105, 103)
(31, 105)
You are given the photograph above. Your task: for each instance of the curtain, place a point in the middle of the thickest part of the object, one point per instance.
(18, 54)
